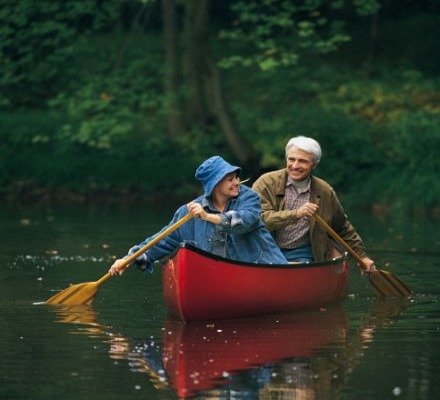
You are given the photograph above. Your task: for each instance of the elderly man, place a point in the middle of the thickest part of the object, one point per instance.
(290, 197)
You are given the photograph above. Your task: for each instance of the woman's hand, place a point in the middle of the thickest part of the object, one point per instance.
(116, 268)
(196, 210)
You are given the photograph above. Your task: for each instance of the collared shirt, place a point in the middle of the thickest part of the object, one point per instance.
(295, 235)
(218, 239)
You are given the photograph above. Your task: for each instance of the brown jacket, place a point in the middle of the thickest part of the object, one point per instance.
(271, 187)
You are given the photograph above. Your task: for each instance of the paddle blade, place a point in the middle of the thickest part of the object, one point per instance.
(384, 283)
(82, 293)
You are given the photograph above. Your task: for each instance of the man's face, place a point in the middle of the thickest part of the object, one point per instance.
(299, 164)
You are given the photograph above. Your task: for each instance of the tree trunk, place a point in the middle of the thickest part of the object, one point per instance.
(241, 150)
(196, 38)
(374, 34)
(204, 103)
(175, 126)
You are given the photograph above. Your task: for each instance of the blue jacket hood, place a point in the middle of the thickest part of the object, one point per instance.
(212, 171)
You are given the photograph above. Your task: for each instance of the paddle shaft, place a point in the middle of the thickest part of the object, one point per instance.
(127, 261)
(341, 241)
(83, 293)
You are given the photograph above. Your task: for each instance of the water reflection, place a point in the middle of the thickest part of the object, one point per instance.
(199, 357)
(291, 356)
(84, 318)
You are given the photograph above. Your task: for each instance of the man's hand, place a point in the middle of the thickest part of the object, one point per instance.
(369, 265)
(307, 210)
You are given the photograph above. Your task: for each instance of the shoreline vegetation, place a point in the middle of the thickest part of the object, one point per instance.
(47, 197)
(95, 111)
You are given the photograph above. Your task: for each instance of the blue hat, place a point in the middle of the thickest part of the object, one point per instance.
(212, 171)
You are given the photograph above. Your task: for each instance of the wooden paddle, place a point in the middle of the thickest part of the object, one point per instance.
(383, 282)
(84, 293)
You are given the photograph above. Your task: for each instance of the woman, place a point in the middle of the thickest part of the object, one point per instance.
(226, 222)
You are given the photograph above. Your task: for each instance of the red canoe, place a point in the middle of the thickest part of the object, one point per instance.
(198, 286)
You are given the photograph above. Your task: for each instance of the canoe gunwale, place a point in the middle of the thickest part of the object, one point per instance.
(211, 256)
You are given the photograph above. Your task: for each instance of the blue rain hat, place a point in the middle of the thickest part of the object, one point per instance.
(212, 171)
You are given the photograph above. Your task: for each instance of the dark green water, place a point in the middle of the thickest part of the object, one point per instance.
(124, 346)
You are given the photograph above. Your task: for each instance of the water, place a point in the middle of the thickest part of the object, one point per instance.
(125, 346)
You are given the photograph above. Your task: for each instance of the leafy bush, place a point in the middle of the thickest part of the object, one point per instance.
(413, 162)
(36, 155)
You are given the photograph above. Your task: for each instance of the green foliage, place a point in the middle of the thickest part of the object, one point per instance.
(37, 40)
(37, 156)
(111, 105)
(86, 106)
(350, 151)
(384, 100)
(407, 43)
(412, 160)
(277, 34)
(378, 141)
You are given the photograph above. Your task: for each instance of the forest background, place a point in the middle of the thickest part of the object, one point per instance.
(122, 99)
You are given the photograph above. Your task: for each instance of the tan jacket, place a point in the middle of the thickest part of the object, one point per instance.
(271, 187)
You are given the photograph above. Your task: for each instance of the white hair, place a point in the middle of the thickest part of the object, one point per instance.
(306, 144)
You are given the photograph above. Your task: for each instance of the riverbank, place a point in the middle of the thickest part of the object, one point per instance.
(45, 197)
(32, 194)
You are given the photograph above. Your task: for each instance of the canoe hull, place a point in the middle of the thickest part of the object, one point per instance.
(198, 286)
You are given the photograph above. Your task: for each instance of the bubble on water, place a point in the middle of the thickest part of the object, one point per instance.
(138, 387)
(397, 391)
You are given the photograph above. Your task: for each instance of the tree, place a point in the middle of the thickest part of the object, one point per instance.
(198, 76)
(276, 34)
(38, 39)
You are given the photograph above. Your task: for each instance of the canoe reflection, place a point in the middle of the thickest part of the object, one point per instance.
(290, 356)
(200, 356)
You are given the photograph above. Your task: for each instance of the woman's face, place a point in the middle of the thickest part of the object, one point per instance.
(229, 186)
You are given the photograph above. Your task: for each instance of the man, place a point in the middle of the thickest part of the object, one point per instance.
(290, 197)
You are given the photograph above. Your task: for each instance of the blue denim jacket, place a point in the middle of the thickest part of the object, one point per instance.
(246, 237)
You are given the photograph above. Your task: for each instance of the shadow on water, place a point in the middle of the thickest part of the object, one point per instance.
(304, 355)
